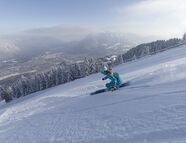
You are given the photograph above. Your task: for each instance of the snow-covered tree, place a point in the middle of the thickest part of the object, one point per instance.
(184, 38)
(4, 95)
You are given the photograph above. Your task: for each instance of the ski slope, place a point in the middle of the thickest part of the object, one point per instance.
(151, 110)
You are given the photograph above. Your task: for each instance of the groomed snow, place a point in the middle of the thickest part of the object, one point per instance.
(151, 110)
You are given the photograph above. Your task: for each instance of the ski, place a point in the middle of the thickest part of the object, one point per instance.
(105, 89)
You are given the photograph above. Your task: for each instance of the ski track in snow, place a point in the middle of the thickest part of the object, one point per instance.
(151, 110)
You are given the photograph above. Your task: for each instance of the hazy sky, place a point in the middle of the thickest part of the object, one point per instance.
(164, 18)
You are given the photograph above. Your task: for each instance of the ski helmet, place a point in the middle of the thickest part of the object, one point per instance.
(103, 69)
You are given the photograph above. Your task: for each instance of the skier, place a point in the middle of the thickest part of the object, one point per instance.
(113, 76)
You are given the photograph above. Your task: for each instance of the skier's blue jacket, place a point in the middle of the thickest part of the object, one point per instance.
(115, 78)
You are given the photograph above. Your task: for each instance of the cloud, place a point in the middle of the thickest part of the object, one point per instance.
(156, 17)
(64, 33)
(7, 48)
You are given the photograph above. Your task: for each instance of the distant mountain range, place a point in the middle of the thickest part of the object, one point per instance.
(25, 47)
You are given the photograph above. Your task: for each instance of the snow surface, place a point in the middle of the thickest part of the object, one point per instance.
(151, 110)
